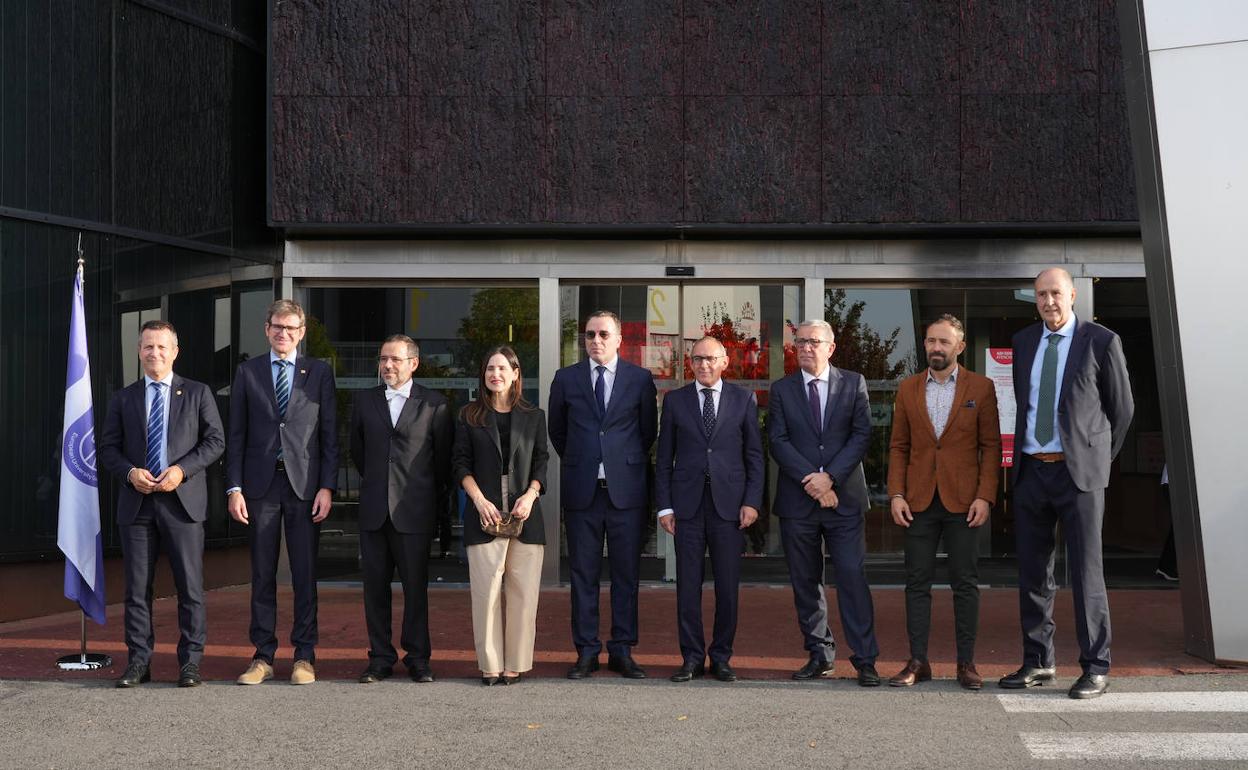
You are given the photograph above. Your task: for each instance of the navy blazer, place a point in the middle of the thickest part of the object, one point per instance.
(405, 469)
(838, 446)
(308, 436)
(194, 437)
(732, 456)
(1095, 406)
(620, 439)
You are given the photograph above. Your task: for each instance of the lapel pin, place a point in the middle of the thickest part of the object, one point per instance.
(177, 392)
(303, 371)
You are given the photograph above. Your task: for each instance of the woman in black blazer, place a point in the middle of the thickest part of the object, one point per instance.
(501, 437)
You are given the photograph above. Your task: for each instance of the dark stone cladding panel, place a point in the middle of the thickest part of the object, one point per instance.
(1118, 202)
(752, 159)
(1110, 68)
(890, 47)
(616, 159)
(475, 159)
(479, 49)
(752, 47)
(340, 48)
(623, 48)
(891, 158)
(349, 163)
(1029, 46)
(1030, 158)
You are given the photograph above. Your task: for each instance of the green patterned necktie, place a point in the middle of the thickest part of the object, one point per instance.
(1048, 392)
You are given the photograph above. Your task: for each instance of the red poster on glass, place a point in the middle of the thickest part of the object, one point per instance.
(999, 367)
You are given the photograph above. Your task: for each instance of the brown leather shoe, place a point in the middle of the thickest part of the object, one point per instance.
(915, 671)
(968, 677)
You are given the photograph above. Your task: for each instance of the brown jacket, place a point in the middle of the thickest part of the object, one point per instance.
(963, 463)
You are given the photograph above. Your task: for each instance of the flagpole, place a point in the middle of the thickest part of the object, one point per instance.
(83, 661)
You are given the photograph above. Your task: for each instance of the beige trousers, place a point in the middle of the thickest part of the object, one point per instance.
(505, 576)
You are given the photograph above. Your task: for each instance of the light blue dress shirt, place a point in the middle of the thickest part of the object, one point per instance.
(1067, 332)
(290, 369)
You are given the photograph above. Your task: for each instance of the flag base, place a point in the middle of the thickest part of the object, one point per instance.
(84, 661)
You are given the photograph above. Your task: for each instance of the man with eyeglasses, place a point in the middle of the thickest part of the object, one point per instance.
(401, 436)
(281, 472)
(603, 420)
(819, 425)
(709, 488)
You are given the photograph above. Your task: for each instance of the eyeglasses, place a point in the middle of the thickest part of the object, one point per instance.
(287, 329)
(394, 359)
(699, 360)
(601, 334)
(812, 342)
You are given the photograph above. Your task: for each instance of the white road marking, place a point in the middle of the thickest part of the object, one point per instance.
(1152, 702)
(1138, 746)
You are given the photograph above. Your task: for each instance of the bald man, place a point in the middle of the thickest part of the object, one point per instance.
(1074, 407)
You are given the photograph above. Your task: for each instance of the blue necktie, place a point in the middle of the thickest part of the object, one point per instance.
(600, 391)
(283, 389)
(815, 407)
(155, 429)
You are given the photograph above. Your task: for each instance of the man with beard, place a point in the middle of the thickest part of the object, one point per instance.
(942, 480)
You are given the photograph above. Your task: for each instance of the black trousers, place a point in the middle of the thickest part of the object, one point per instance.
(1044, 495)
(962, 545)
(162, 522)
(281, 509)
(705, 530)
(381, 552)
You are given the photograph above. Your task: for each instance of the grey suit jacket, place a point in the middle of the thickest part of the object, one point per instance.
(1094, 407)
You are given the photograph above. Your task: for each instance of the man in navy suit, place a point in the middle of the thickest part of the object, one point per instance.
(281, 471)
(603, 420)
(160, 435)
(819, 423)
(1074, 406)
(708, 487)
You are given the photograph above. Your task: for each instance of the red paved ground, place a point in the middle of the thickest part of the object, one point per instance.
(1148, 635)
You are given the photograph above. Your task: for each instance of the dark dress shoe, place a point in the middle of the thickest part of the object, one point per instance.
(510, 679)
(421, 674)
(189, 676)
(375, 674)
(490, 681)
(687, 671)
(868, 676)
(968, 677)
(723, 672)
(135, 675)
(584, 666)
(915, 671)
(1089, 686)
(1027, 676)
(814, 669)
(625, 666)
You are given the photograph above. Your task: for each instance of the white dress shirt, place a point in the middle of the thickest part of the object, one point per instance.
(396, 398)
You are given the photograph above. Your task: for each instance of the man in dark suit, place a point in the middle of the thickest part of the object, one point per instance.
(1074, 406)
(708, 487)
(281, 471)
(160, 435)
(603, 420)
(943, 465)
(819, 423)
(401, 436)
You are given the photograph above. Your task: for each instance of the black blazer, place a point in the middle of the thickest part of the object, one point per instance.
(195, 441)
(405, 470)
(478, 454)
(308, 436)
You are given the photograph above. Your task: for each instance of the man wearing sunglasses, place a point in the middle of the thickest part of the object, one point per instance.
(603, 420)
(819, 424)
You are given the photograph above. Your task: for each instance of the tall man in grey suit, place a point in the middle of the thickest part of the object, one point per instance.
(819, 423)
(160, 435)
(708, 487)
(281, 471)
(401, 437)
(603, 420)
(1074, 407)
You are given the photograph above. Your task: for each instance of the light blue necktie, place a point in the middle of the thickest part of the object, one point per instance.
(155, 429)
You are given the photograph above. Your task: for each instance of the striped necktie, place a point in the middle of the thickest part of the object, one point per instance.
(282, 389)
(155, 429)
